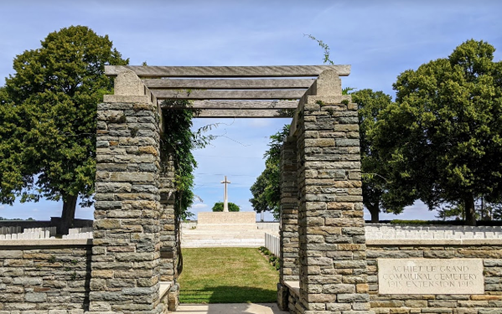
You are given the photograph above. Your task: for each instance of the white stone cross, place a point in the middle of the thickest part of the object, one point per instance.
(225, 202)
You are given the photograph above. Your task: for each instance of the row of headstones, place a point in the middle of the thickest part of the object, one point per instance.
(432, 232)
(79, 233)
(16, 233)
(413, 233)
(273, 244)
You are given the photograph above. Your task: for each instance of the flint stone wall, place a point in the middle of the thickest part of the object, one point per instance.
(45, 276)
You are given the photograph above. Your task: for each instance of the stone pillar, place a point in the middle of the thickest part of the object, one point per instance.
(331, 227)
(288, 222)
(167, 222)
(169, 234)
(125, 268)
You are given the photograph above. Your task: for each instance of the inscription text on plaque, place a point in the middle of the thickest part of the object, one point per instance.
(430, 276)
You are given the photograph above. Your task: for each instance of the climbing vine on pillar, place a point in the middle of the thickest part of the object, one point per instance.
(177, 143)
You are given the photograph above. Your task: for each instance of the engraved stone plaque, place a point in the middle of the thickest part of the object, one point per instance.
(430, 276)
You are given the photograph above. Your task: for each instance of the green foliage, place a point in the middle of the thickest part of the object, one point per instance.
(348, 90)
(272, 259)
(48, 118)
(264, 250)
(443, 137)
(325, 47)
(218, 207)
(177, 143)
(451, 211)
(17, 219)
(267, 188)
(486, 209)
(378, 196)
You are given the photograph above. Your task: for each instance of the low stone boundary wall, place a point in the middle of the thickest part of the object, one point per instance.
(45, 276)
(453, 280)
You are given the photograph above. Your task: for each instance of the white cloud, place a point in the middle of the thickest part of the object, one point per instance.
(259, 123)
(416, 211)
(199, 206)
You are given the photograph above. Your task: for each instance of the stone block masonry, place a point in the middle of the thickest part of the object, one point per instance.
(169, 237)
(289, 247)
(332, 258)
(126, 253)
(168, 232)
(44, 276)
(450, 300)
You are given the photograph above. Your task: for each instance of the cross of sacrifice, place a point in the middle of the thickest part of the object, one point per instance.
(225, 197)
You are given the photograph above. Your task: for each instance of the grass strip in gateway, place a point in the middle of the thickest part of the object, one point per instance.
(227, 275)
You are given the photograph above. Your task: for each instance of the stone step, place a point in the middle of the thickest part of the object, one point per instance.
(227, 226)
(193, 238)
(220, 238)
(217, 236)
(223, 232)
(222, 243)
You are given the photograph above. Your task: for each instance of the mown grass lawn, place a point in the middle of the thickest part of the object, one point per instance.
(227, 275)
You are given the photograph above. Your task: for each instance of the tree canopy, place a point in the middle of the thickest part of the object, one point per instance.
(377, 194)
(443, 136)
(267, 188)
(48, 119)
(218, 207)
(177, 143)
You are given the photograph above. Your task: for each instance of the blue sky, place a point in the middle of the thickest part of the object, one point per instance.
(380, 39)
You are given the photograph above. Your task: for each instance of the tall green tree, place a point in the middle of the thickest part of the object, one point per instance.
(11, 132)
(378, 194)
(267, 188)
(443, 138)
(53, 97)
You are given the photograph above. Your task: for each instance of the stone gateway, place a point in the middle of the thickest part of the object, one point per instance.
(328, 266)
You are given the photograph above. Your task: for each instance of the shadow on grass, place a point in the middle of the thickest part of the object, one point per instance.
(232, 308)
(228, 294)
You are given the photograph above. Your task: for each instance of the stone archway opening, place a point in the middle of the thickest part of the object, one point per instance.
(322, 228)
